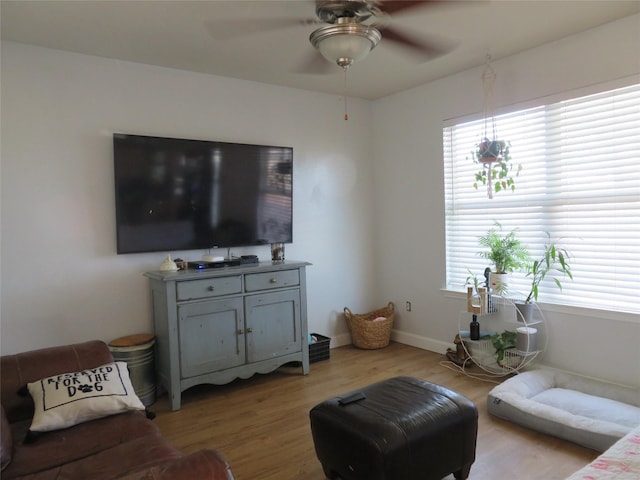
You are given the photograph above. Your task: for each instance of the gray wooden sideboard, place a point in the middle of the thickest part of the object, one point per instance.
(219, 324)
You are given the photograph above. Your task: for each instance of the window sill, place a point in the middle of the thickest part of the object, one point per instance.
(567, 309)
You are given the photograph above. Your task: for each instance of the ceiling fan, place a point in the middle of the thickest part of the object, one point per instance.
(349, 36)
(351, 29)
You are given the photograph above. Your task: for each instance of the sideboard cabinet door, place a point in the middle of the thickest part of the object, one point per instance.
(211, 336)
(273, 325)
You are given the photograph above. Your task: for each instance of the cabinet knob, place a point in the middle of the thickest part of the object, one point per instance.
(273, 280)
(211, 288)
(249, 330)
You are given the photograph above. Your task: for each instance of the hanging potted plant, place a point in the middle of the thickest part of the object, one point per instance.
(553, 258)
(496, 167)
(506, 252)
(497, 171)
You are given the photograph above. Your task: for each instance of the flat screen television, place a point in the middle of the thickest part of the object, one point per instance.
(177, 194)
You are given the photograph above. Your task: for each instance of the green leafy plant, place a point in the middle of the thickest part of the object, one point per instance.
(476, 281)
(554, 258)
(503, 342)
(473, 280)
(505, 251)
(497, 169)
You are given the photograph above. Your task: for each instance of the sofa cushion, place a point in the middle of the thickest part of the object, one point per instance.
(6, 441)
(198, 465)
(22, 368)
(54, 449)
(139, 454)
(67, 399)
(620, 462)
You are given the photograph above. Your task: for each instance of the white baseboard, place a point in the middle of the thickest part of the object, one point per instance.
(419, 341)
(340, 340)
(411, 339)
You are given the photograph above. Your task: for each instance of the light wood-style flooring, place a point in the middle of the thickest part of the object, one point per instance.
(261, 424)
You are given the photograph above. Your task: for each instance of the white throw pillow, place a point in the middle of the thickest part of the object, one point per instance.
(67, 399)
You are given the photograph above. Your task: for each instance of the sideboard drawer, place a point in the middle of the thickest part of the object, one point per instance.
(269, 280)
(208, 287)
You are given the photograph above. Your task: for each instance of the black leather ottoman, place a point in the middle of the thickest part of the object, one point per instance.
(405, 429)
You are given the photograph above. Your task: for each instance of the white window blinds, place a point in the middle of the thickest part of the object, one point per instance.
(580, 182)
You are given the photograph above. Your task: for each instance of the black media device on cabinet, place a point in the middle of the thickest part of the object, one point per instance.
(199, 265)
(177, 194)
(248, 259)
(202, 265)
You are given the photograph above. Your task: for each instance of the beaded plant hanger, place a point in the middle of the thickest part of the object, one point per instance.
(492, 154)
(489, 130)
(488, 108)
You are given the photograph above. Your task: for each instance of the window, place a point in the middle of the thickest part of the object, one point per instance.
(580, 182)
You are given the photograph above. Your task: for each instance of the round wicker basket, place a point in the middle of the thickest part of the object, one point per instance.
(367, 334)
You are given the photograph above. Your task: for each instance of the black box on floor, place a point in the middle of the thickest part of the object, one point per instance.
(319, 350)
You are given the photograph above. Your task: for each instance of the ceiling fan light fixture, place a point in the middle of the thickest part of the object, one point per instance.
(345, 43)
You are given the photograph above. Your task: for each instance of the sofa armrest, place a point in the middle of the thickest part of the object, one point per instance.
(19, 369)
(201, 465)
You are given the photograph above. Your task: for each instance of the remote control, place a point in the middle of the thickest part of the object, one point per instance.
(354, 397)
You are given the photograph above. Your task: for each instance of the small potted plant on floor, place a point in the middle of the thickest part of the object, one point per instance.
(506, 252)
(497, 170)
(502, 342)
(554, 258)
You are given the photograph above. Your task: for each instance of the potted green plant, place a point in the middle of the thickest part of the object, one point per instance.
(478, 299)
(554, 258)
(473, 279)
(497, 169)
(505, 251)
(503, 342)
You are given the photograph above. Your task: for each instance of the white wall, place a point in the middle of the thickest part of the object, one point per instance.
(61, 278)
(410, 250)
(374, 232)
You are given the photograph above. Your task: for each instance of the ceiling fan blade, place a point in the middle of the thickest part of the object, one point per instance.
(229, 29)
(392, 7)
(426, 48)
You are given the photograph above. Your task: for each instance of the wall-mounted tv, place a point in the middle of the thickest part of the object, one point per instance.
(178, 194)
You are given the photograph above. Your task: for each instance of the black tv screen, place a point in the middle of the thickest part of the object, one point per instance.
(177, 194)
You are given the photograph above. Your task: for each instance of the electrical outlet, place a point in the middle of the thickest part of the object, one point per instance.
(408, 306)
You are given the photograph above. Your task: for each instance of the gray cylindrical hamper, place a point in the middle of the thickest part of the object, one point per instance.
(526, 339)
(137, 352)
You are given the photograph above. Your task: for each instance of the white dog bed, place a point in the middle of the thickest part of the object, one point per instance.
(591, 413)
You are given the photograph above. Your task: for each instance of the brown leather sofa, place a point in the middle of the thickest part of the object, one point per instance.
(124, 446)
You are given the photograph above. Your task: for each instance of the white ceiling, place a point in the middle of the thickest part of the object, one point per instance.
(191, 35)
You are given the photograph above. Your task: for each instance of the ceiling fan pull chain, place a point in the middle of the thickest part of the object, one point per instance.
(346, 114)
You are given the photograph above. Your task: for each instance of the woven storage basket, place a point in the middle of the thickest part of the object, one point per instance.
(367, 334)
